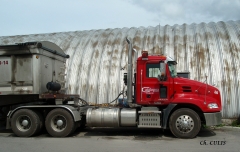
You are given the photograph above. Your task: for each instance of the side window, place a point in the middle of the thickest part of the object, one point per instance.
(152, 70)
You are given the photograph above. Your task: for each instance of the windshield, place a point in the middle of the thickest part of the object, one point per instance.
(172, 69)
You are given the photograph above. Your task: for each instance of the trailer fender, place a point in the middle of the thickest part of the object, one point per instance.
(166, 113)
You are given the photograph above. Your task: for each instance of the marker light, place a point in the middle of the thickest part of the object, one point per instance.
(145, 55)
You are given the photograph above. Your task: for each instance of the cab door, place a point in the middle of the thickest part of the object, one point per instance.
(156, 91)
(166, 90)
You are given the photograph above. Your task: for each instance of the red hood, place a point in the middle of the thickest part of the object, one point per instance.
(191, 87)
(195, 85)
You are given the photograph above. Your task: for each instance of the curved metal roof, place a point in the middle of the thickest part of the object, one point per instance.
(98, 58)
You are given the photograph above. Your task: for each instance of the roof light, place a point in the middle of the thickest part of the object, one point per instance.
(144, 55)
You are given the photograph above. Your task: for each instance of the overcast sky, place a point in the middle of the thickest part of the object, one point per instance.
(21, 17)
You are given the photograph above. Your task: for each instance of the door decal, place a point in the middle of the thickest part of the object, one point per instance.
(148, 90)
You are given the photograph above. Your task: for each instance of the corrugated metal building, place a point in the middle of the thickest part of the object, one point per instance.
(98, 58)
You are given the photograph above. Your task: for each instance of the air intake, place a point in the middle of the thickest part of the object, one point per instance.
(186, 89)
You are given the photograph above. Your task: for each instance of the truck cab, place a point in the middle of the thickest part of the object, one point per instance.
(184, 103)
(158, 84)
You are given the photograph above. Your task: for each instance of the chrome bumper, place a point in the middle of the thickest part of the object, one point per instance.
(213, 119)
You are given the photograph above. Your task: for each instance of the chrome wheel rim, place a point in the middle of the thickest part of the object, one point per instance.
(58, 123)
(23, 123)
(184, 124)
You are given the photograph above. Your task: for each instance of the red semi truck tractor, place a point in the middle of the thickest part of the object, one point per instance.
(156, 96)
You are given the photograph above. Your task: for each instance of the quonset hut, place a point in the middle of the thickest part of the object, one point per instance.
(98, 58)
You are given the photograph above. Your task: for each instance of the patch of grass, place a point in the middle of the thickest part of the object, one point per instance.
(235, 123)
(204, 126)
(220, 125)
(212, 127)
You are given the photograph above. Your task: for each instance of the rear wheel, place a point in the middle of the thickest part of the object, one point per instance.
(41, 124)
(26, 123)
(185, 123)
(59, 123)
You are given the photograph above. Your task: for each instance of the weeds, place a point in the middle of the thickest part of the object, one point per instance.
(235, 123)
(204, 126)
(220, 125)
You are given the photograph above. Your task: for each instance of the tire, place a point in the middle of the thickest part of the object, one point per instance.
(83, 123)
(41, 120)
(59, 123)
(76, 126)
(25, 123)
(185, 123)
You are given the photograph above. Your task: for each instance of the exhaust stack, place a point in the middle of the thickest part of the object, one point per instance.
(129, 75)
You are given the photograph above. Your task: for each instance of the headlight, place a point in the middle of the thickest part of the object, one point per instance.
(212, 106)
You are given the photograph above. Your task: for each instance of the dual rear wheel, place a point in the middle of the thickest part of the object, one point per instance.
(26, 122)
(58, 123)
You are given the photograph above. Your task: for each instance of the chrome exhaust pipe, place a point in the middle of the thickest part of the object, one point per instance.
(129, 74)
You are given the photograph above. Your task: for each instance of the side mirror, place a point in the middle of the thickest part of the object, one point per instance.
(162, 75)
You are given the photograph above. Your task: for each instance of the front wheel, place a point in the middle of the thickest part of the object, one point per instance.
(185, 123)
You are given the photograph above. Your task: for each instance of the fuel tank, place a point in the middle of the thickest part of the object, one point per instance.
(111, 117)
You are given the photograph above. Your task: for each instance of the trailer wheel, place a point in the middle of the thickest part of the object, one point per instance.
(185, 123)
(59, 123)
(41, 121)
(25, 123)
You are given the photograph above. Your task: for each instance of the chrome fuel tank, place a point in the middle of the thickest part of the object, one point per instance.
(103, 117)
(128, 117)
(111, 117)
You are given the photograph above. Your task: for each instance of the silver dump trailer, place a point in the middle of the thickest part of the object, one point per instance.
(32, 81)
(27, 68)
(32, 94)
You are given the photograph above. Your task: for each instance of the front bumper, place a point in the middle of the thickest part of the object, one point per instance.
(213, 119)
